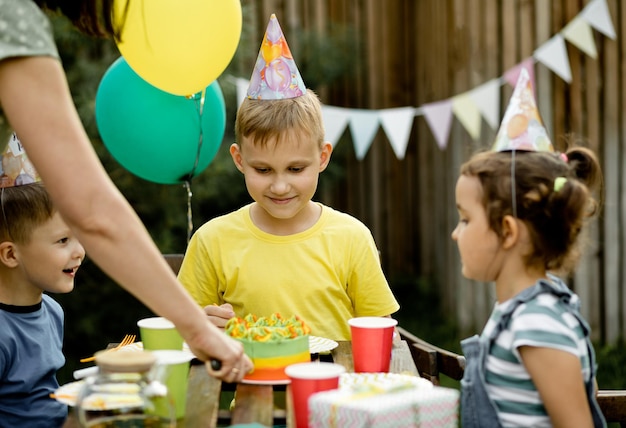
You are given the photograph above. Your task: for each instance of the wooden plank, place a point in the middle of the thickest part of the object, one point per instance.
(254, 403)
(621, 120)
(614, 322)
(202, 406)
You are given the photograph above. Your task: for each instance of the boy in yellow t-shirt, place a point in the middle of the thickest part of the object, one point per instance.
(284, 252)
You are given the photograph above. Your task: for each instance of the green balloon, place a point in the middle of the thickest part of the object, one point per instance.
(156, 135)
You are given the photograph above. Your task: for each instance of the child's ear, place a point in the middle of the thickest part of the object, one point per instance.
(235, 153)
(510, 231)
(327, 150)
(7, 254)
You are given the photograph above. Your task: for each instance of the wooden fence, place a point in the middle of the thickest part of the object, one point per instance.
(413, 52)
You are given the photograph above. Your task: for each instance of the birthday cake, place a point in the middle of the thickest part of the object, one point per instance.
(272, 343)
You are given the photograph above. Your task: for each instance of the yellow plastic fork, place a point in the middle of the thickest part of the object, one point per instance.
(127, 340)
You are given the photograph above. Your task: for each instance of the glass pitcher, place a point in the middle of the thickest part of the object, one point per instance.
(124, 394)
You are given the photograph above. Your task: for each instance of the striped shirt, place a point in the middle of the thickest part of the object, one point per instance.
(542, 322)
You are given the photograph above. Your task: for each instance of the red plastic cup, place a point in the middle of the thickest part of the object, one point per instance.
(307, 379)
(372, 338)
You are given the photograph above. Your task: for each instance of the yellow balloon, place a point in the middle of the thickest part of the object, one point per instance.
(178, 46)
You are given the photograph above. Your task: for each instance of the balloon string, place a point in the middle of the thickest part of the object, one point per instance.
(200, 109)
(189, 213)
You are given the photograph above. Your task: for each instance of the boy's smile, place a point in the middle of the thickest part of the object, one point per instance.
(282, 176)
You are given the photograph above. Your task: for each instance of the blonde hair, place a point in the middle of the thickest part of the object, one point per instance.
(263, 120)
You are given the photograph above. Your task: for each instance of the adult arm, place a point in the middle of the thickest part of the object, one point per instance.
(558, 378)
(36, 99)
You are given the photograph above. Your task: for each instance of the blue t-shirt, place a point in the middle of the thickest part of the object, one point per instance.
(31, 340)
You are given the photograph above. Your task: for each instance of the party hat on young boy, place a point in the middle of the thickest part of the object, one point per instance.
(275, 75)
(522, 127)
(17, 169)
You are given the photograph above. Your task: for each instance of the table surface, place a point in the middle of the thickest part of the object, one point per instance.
(255, 403)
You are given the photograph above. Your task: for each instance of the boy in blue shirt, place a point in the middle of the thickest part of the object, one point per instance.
(38, 253)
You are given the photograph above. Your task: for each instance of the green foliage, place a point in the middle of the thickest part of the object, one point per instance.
(611, 365)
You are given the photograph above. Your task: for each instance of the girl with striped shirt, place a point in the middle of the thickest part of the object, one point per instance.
(533, 365)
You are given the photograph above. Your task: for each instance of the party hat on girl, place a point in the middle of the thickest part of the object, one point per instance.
(522, 127)
(17, 170)
(275, 75)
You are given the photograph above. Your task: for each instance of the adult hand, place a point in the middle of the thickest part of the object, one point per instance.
(214, 345)
(219, 315)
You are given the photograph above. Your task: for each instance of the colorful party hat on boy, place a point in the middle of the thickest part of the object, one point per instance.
(275, 75)
(522, 127)
(17, 170)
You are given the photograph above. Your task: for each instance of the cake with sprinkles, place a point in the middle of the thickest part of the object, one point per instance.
(272, 343)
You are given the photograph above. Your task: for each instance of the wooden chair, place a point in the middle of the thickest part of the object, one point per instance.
(174, 260)
(432, 361)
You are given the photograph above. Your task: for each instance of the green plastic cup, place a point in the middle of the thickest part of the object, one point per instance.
(159, 333)
(172, 369)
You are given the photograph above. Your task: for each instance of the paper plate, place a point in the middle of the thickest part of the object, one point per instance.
(382, 381)
(126, 397)
(266, 382)
(319, 345)
(316, 345)
(138, 346)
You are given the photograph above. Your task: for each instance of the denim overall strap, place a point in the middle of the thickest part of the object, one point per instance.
(477, 409)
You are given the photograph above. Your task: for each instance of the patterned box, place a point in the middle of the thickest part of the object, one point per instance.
(436, 407)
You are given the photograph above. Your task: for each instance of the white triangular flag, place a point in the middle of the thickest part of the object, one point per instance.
(439, 118)
(598, 16)
(468, 114)
(397, 123)
(242, 89)
(553, 54)
(335, 121)
(363, 127)
(578, 32)
(487, 99)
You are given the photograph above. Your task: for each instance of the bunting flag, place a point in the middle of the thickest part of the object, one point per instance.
(578, 32)
(439, 117)
(364, 125)
(397, 123)
(597, 15)
(553, 54)
(468, 114)
(487, 99)
(335, 122)
(468, 107)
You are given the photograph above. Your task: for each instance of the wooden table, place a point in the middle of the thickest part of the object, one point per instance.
(255, 403)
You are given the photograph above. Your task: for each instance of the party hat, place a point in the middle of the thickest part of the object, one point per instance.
(275, 75)
(17, 170)
(522, 127)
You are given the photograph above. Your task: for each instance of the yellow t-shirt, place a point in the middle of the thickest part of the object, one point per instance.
(325, 275)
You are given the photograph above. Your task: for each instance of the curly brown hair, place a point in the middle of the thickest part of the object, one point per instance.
(553, 215)
(92, 17)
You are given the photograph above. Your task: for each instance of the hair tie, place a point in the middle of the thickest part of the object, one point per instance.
(564, 157)
(558, 183)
